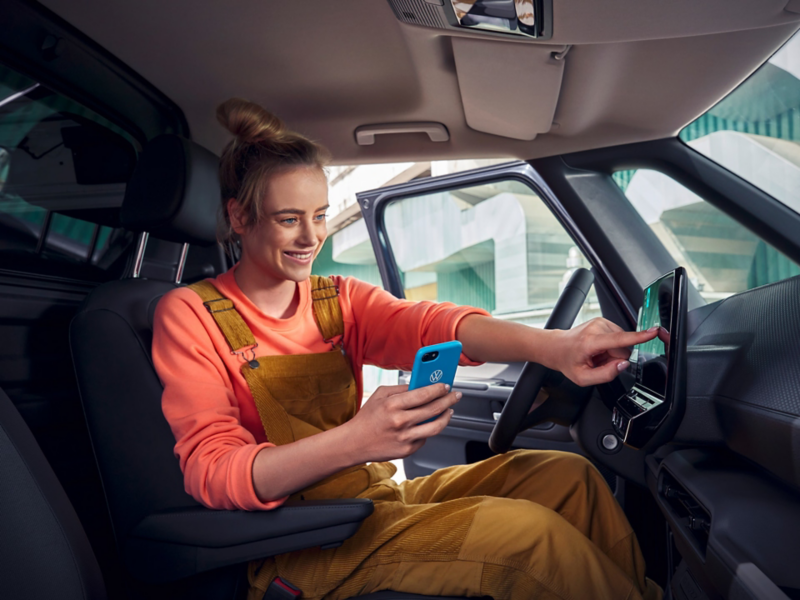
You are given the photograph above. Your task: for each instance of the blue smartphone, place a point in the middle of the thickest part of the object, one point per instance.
(435, 364)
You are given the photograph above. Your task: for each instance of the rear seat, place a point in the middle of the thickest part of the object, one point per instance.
(44, 551)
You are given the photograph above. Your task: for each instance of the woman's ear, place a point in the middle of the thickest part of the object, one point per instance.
(235, 214)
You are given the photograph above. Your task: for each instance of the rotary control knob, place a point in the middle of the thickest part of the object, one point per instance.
(610, 442)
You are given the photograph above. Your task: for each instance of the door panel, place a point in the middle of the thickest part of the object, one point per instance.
(495, 238)
(466, 439)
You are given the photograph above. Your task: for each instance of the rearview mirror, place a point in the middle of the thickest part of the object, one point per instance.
(517, 17)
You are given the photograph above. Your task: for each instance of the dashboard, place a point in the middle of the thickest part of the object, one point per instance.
(720, 456)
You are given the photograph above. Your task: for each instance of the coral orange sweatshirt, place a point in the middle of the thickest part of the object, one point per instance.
(207, 402)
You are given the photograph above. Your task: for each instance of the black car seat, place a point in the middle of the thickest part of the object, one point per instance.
(44, 552)
(162, 534)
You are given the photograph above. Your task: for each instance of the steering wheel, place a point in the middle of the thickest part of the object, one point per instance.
(517, 414)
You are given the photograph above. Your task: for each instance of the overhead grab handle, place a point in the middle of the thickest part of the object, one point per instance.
(365, 135)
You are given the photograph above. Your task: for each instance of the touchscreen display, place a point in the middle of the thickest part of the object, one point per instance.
(649, 361)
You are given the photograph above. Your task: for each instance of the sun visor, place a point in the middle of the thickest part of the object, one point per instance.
(508, 89)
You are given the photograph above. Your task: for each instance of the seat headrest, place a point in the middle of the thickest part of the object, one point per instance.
(174, 192)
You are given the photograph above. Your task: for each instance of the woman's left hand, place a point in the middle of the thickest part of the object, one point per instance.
(594, 352)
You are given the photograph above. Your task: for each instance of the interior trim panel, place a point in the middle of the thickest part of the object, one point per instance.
(743, 359)
(725, 516)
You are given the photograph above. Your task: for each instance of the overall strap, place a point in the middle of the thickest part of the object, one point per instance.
(328, 316)
(230, 322)
(325, 304)
(327, 310)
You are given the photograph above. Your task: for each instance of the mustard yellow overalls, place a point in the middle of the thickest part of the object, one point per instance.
(527, 524)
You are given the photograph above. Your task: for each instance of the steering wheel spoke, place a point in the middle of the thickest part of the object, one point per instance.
(517, 415)
(564, 403)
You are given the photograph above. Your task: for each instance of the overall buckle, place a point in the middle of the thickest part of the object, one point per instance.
(328, 295)
(252, 350)
(208, 304)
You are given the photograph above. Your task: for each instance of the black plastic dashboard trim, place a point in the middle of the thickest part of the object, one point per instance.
(754, 520)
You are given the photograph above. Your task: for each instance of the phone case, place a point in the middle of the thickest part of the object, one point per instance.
(441, 369)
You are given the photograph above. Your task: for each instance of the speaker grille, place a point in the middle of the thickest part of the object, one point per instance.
(419, 12)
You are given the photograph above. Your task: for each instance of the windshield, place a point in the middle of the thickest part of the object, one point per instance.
(755, 130)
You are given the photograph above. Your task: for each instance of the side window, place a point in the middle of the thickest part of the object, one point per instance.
(348, 251)
(721, 256)
(755, 133)
(63, 170)
(495, 246)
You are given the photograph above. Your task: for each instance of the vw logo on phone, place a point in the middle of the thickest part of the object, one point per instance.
(436, 376)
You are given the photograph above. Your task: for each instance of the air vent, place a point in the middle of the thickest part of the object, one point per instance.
(419, 12)
(687, 511)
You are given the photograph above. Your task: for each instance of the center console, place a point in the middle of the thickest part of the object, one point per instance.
(651, 410)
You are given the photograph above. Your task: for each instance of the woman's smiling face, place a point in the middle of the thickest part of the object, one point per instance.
(284, 244)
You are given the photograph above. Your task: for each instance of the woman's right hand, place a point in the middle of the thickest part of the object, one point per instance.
(387, 426)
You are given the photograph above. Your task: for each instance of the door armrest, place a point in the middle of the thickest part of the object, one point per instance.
(174, 544)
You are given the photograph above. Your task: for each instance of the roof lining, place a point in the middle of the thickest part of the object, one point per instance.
(361, 66)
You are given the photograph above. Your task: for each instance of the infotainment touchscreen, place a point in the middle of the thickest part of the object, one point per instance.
(658, 366)
(650, 361)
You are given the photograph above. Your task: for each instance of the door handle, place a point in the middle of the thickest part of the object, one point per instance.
(470, 385)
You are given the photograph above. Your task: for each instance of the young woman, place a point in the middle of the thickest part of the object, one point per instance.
(261, 369)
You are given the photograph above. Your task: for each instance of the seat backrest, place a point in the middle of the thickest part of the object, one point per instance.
(173, 194)
(44, 552)
(110, 338)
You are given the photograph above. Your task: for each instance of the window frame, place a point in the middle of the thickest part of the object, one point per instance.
(87, 74)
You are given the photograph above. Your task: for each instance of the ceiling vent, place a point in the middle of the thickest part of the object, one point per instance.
(419, 12)
(522, 19)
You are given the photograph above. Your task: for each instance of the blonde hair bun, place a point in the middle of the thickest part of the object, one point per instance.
(249, 122)
(263, 147)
